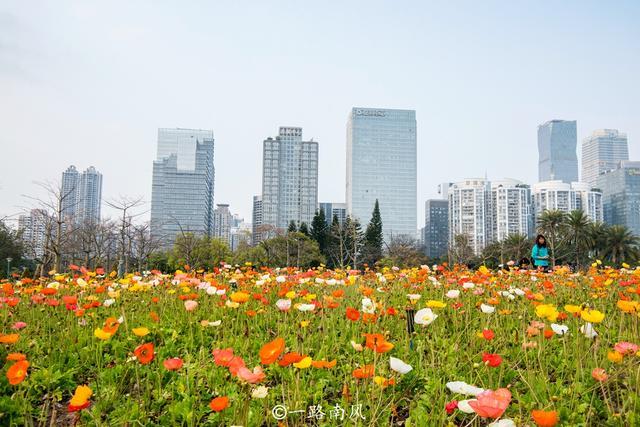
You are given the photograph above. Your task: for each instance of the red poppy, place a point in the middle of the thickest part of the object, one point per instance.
(492, 360)
(353, 314)
(144, 353)
(172, 364)
(488, 334)
(365, 371)
(290, 358)
(451, 407)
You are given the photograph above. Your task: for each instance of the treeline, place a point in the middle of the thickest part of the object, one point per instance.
(573, 239)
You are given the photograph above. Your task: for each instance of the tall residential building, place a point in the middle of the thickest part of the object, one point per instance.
(222, 222)
(289, 179)
(602, 151)
(34, 229)
(469, 212)
(435, 234)
(81, 195)
(558, 195)
(510, 207)
(621, 195)
(557, 160)
(256, 224)
(183, 184)
(382, 165)
(330, 210)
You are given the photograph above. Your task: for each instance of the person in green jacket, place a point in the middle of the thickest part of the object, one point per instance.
(540, 253)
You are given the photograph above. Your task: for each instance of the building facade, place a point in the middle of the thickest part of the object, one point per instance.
(183, 184)
(469, 212)
(289, 179)
(382, 165)
(339, 210)
(256, 224)
(557, 140)
(510, 209)
(621, 195)
(435, 234)
(602, 151)
(34, 229)
(222, 222)
(558, 195)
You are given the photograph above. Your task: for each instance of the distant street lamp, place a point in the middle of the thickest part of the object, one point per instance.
(9, 259)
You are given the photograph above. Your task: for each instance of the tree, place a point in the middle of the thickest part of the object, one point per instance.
(460, 250)
(125, 205)
(10, 247)
(403, 251)
(320, 230)
(552, 223)
(353, 241)
(621, 245)
(304, 229)
(598, 232)
(373, 238)
(292, 227)
(577, 236)
(292, 249)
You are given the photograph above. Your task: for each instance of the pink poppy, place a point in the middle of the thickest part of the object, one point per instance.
(490, 403)
(190, 305)
(252, 377)
(624, 347)
(235, 364)
(19, 325)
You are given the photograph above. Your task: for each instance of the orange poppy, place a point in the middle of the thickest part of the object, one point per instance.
(377, 343)
(17, 372)
(16, 357)
(111, 325)
(319, 364)
(154, 316)
(219, 403)
(9, 338)
(70, 299)
(144, 353)
(545, 418)
(365, 371)
(49, 291)
(270, 352)
(290, 358)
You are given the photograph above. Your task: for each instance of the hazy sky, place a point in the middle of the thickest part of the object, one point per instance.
(89, 83)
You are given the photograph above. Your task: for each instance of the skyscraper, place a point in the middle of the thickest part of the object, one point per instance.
(558, 195)
(601, 152)
(222, 222)
(436, 228)
(621, 195)
(256, 221)
(381, 164)
(34, 229)
(557, 160)
(81, 195)
(183, 184)
(289, 179)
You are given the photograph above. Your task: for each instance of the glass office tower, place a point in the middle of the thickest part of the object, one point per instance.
(183, 183)
(381, 164)
(621, 195)
(602, 151)
(557, 160)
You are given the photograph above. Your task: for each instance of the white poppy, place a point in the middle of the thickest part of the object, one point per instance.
(488, 309)
(453, 293)
(211, 290)
(399, 366)
(259, 392)
(425, 316)
(464, 406)
(460, 387)
(368, 306)
(588, 331)
(559, 329)
(414, 297)
(283, 304)
(281, 279)
(108, 302)
(505, 422)
(306, 307)
(356, 346)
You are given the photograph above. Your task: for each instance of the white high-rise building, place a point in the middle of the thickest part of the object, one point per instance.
(469, 212)
(558, 195)
(602, 151)
(34, 229)
(510, 207)
(289, 179)
(256, 225)
(222, 222)
(382, 165)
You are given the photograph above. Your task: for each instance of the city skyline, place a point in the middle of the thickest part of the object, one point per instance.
(110, 89)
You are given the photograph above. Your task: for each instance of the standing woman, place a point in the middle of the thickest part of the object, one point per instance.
(540, 253)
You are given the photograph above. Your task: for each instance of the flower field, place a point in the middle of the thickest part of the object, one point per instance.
(244, 346)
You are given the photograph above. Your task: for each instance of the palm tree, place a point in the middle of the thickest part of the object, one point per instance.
(577, 234)
(551, 224)
(622, 245)
(516, 247)
(598, 232)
